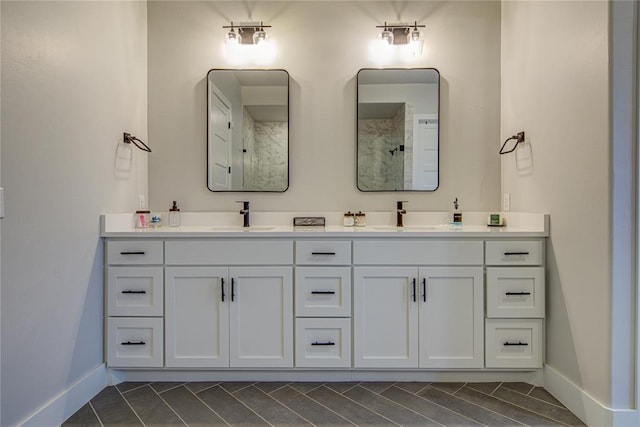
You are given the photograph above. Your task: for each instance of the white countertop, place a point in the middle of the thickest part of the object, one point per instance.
(279, 225)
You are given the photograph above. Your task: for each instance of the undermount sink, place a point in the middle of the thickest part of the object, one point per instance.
(407, 227)
(238, 228)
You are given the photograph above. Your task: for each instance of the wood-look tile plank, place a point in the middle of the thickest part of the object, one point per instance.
(305, 387)
(229, 408)
(470, 410)
(309, 409)
(233, 387)
(83, 417)
(523, 388)
(387, 408)
(448, 387)
(268, 408)
(113, 409)
(151, 409)
(507, 409)
(162, 387)
(428, 409)
(269, 387)
(539, 407)
(486, 388)
(542, 394)
(412, 387)
(190, 408)
(376, 387)
(341, 387)
(128, 386)
(344, 407)
(197, 387)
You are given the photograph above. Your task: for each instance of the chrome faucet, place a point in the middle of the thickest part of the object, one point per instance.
(244, 212)
(400, 211)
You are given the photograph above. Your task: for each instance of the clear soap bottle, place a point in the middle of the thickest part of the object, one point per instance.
(174, 215)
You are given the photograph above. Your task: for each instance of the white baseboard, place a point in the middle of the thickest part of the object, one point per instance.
(65, 404)
(585, 406)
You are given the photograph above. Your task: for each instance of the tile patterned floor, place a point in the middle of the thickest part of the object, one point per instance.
(323, 404)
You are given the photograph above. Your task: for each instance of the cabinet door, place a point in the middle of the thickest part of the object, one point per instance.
(261, 317)
(196, 317)
(451, 317)
(385, 317)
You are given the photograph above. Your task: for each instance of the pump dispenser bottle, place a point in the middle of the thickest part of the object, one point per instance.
(174, 215)
(456, 216)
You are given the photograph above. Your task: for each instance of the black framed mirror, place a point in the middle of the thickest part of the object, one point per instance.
(398, 141)
(248, 130)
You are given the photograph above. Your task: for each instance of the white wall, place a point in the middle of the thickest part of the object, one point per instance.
(323, 45)
(555, 87)
(73, 80)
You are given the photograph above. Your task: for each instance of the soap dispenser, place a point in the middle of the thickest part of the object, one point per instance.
(456, 216)
(174, 215)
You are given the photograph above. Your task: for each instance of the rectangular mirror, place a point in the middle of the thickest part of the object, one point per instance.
(398, 132)
(248, 130)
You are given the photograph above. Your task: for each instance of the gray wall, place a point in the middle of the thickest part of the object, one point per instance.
(462, 41)
(73, 80)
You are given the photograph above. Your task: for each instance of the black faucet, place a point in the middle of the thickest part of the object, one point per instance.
(245, 212)
(399, 212)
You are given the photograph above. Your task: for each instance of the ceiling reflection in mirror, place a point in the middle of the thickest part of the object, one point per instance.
(248, 130)
(397, 129)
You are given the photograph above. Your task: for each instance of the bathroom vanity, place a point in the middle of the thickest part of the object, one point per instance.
(213, 296)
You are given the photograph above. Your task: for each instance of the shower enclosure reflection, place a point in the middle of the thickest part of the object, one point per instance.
(398, 129)
(248, 130)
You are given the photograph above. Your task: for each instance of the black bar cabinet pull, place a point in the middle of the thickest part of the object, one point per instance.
(222, 288)
(518, 293)
(515, 343)
(516, 253)
(132, 253)
(413, 294)
(134, 343)
(323, 292)
(323, 253)
(424, 289)
(323, 343)
(233, 293)
(134, 292)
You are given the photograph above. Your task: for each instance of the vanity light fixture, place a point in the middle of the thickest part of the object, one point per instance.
(248, 42)
(403, 34)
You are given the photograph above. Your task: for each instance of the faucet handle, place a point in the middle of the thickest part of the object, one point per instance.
(245, 203)
(400, 202)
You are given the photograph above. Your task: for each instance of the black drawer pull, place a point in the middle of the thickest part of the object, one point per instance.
(132, 253)
(507, 343)
(222, 288)
(413, 293)
(134, 343)
(424, 289)
(323, 253)
(516, 253)
(134, 292)
(233, 290)
(323, 343)
(518, 293)
(323, 292)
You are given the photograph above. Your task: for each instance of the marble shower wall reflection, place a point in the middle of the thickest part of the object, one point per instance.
(265, 154)
(382, 152)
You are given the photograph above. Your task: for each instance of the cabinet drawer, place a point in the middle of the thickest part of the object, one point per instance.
(515, 292)
(323, 291)
(134, 342)
(323, 343)
(134, 252)
(417, 252)
(514, 252)
(228, 252)
(513, 343)
(323, 253)
(134, 291)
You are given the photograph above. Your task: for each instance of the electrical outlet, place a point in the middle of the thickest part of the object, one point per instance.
(141, 202)
(506, 202)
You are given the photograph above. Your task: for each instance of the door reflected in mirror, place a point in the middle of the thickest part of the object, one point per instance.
(398, 132)
(248, 130)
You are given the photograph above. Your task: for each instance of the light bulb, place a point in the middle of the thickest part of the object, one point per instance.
(232, 38)
(387, 36)
(259, 36)
(415, 41)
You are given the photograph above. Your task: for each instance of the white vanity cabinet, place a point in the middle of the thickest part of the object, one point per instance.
(134, 309)
(228, 316)
(426, 316)
(515, 303)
